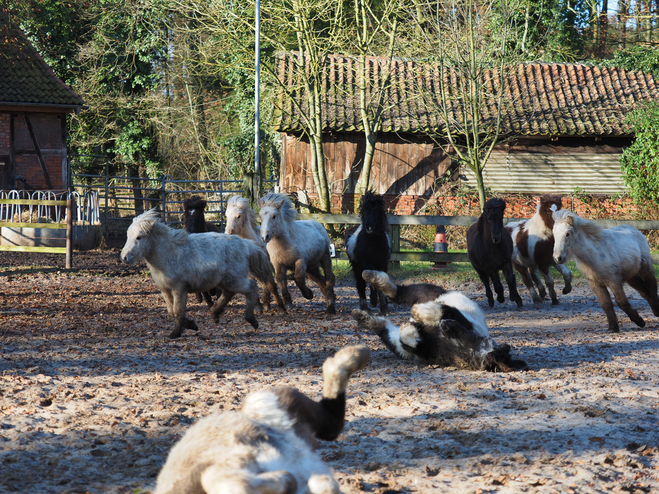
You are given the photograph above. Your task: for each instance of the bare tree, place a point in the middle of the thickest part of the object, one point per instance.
(471, 41)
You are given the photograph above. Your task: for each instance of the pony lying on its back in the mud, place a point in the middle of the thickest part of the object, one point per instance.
(448, 331)
(181, 263)
(268, 446)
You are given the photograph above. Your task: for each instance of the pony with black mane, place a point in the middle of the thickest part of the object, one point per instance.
(533, 242)
(447, 328)
(369, 247)
(194, 221)
(608, 257)
(490, 250)
(181, 263)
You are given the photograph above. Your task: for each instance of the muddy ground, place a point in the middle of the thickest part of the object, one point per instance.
(93, 394)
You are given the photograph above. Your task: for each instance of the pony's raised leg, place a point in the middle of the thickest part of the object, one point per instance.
(646, 285)
(567, 276)
(388, 333)
(541, 289)
(326, 285)
(606, 303)
(623, 303)
(528, 282)
(361, 291)
(512, 284)
(301, 279)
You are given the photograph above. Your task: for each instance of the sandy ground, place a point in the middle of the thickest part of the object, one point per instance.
(93, 394)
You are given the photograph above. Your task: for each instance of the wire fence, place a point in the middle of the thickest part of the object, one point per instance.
(120, 198)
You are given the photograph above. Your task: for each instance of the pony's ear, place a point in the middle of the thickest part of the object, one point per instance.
(569, 219)
(279, 203)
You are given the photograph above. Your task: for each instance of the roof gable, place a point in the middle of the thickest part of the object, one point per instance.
(539, 98)
(26, 78)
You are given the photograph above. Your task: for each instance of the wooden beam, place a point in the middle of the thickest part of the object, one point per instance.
(37, 150)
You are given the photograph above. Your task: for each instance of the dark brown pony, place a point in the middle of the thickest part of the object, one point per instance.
(490, 250)
(194, 222)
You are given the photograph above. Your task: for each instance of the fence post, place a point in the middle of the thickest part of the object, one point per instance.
(163, 197)
(395, 245)
(69, 229)
(107, 198)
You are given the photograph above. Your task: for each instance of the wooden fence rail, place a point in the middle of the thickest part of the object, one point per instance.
(68, 250)
(397, 220)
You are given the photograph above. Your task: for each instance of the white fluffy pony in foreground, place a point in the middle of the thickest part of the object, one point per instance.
(447, 328)
(267, 447)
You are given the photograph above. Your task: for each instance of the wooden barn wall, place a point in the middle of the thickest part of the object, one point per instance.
(552, 169)
(17, 150)
(401, 166)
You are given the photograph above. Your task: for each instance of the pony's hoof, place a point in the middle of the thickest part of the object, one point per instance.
(613, 329)
(490, 302)
(190, 324)
(567, 290)
(176, 333)
(501, 299)
(640, 323)
(331, 310)
(253, 322)
(554, 302)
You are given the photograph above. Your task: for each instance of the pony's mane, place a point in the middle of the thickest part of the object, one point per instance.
(241, 203)
(372, 200)
(194, 202)
(586, 226)
(495, 203)
(551, 199)
(150, 223)
(281, 202)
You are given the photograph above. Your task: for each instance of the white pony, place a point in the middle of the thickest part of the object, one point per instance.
(181, 262)
(302, 246)
(268, 446)
(241, 221)
(608, 258)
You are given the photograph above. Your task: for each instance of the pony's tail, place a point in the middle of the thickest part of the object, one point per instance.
(260, 265)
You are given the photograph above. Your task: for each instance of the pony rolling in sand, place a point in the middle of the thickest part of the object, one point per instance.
(369, 247)
(490, 250)
(447, 328)
(608, 257)
(533, 241)
(302, 246)
(268, 446)
(241, 221)
(181, 263)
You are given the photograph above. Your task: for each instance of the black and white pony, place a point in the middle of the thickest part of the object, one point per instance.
(447, 328)
(369, 247)
(490, 250)
(268, 446)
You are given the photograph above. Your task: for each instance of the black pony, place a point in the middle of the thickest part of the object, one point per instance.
(194, 222)
(369, 247)
(490, 250)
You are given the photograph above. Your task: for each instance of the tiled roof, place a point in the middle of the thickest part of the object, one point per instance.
(540, 98)
(25, 78)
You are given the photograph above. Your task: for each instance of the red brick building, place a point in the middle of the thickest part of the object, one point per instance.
(34, 104)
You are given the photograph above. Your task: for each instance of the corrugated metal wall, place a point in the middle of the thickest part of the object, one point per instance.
(560, 173)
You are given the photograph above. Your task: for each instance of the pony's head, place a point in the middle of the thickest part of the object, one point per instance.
(492, 218)
(374, 214)
(139, 236)
(277, 213)
(193, 220)
(548, 205)
(564, 221)
(240, 216)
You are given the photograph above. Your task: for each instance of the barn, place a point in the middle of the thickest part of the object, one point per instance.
(34, 104)
(564, 123)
